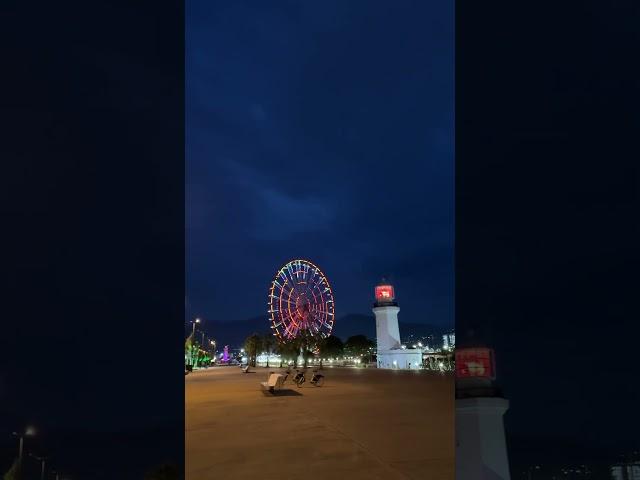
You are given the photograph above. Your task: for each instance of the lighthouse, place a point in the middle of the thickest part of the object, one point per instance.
(390, 353)
(481, 449)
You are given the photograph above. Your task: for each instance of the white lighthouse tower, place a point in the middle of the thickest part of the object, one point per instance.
(481, 449)
(390, 352)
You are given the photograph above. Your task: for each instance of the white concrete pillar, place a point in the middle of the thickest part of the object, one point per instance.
(481, 448)
(387, 329)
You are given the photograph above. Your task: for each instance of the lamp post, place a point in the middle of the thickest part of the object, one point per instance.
(193, 322)
(29, 432)
(193, 331)
(42, 464)
(213, 348)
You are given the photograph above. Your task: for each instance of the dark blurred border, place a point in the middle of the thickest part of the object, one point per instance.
(547, 220)
(92, 243)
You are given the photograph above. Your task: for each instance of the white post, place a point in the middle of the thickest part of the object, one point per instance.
(20, 449)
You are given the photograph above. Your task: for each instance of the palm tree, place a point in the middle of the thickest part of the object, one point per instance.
(188, 349)
(279, 349)
(288, 349)
(252, 345)
(268, 342)
(306, 343)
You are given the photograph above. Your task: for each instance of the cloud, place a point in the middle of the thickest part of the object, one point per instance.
(276, 214)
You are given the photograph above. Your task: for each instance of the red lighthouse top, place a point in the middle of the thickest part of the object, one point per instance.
(384, 293)
(477, 362)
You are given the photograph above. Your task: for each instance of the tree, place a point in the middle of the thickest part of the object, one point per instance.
(252, 346)
(268, 342)
(331, 347)
(188, 349)
(288, 350)
(15, 472)
(280, 350)
(359, 346)
(305, 344)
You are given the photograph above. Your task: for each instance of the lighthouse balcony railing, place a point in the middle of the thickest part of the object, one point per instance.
(391, 303)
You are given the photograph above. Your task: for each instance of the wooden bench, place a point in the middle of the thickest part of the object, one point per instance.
(274, 383)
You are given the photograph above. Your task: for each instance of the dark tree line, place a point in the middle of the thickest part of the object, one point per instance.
(306, 346)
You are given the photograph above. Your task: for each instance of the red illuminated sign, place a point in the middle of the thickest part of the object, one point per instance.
(475, 362)
(384, 292)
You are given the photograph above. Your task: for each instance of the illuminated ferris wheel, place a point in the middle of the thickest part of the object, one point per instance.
(300, 298)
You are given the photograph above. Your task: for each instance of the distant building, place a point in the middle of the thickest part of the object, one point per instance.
(626, 471)
(449, 340)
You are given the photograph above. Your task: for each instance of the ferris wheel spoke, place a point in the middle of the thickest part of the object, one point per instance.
(287, 291)
(298, 271)
(312, 285)
(319, 319)
(283, 299)
(316, 287)
(295, 288)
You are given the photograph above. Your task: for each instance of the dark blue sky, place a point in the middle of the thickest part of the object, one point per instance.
(321, 131)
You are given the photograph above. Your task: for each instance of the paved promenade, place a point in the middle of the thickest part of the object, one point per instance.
(361, 424)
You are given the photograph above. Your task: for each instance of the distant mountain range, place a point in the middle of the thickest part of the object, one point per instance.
(234, 333)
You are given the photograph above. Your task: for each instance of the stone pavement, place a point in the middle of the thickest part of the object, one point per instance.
(361, 424)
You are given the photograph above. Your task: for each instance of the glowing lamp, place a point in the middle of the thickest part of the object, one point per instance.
(475, 363)
(384, 293)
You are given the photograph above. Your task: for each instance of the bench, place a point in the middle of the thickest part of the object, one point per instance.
(274, 383)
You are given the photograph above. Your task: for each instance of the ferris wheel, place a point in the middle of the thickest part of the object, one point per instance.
(300, 298)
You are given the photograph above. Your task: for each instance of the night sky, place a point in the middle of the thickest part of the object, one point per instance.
(325, 132)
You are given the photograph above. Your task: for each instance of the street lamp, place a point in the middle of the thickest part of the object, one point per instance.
(42, 464)
(29, 432)
(193, 330)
